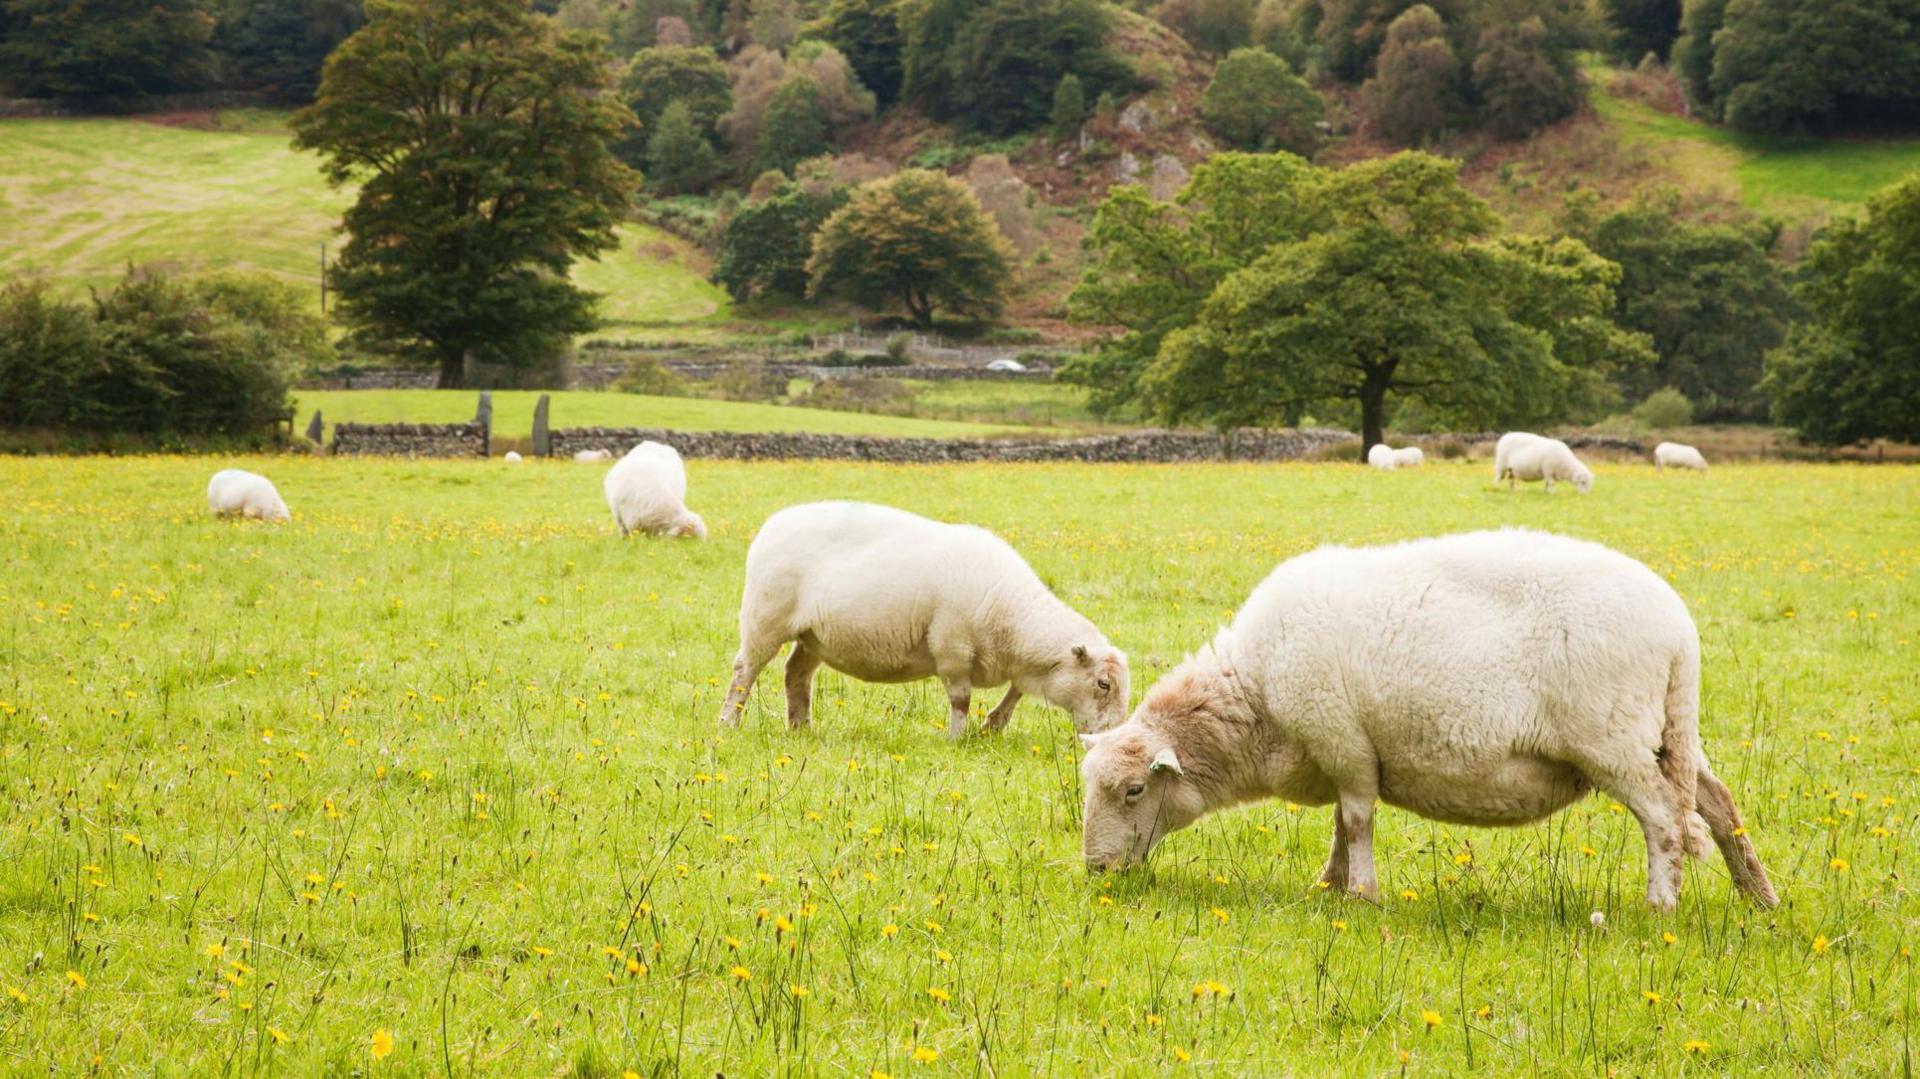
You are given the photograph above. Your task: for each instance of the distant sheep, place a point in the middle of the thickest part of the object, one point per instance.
(512, 457)
(1674, 455)
(887, 596)
(1408, 457)
(593, 455)
(1386, 458)
(1523, 456)
(1490, 678)
(647, 492)
(238, 493)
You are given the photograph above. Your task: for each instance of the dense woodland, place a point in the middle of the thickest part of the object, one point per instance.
(857, 152)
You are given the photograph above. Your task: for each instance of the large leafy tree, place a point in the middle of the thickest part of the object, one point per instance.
(105, 49)
(1852, 371)
(1394, 286)
(478, 134)
(1524, 80)
(1792, 65)
(918, 239)
(1256, 102)
(768, 241)
(867, 32)
(1707, 295)
(279, 45)
(1415, 94)
(659, 76)
(793, 128)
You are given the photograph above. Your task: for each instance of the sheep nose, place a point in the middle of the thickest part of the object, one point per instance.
(1096, 866)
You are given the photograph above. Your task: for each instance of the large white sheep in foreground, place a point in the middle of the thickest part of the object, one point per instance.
(1675, 455)
(1522, 456)
(647, 492)
(888, 596)
(235, 492)
(1490, 678)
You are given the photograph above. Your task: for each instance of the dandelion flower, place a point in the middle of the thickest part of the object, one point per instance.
(889, 930)
(1669, 938)
(1695, 1045)
(1220, 914)
(798, 992)
(940, 994)
(925, 1054)
(742, 973)
(1839, 865)
(279, 1035)
(1181, 1055)
(382, 1043)
(74, 977)
(1651, 996)
(1819, 945)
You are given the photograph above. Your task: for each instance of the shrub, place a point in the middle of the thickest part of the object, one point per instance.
(897, 347)
(1256, 102)
(1069, 105)
(744, 380)
(881, 395)
(1524, 83)
(1664, 409)
(646, 374)
(1415, 96)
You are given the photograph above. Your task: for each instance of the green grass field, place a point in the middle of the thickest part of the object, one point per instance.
(513, 413)
(437, 763)
(80, 199)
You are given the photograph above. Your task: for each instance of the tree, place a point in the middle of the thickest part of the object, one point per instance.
(279, 45)
(1693, 52)
(1392, 285)
(680, 160)
(1791, 65)
(760, 75)
(1415, 96)
(1851, 372)
(1640, 27)
(1523, 82)
(767, 242)
(1069, 105)
(773, 24)
(105, 49)
(478, 134)
(1153, 264)
(867, 32)
(659, 76)
(1352, 32)
(918, 239)
(994, 64)
(1256, 102)
(1216, 27)
(794, 128)
(1707, 296)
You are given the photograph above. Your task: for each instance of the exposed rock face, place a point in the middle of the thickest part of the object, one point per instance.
(1169, 176)
(1138, 118)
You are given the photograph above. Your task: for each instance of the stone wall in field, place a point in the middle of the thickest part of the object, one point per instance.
(412, 439)
(21, 108)
(1164, 447)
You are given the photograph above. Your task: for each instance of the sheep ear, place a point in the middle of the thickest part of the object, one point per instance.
(1088, 741)
(1165, 761)
(1080, 653)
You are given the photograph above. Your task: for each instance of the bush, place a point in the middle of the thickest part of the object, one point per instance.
(1416, 94)
(766, 244)
(880, 395)
(744, 380)
(994, 64)
(1523, 81)
(897, 347)
(155, 355)
(1664, 410)
(1256, 102)
(679, 158)
(646, 374)
(1069, 105)
(793, 129)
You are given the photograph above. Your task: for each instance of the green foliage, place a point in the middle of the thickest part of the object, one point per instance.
(1352, 32)
(1792, 65)
(867, 32)
(1708, 296)
(1213, 26)
(154, 355)
(1639, 27)
(104, 49)
(1852, 371)
(483, 174)
(1523, 82)
(1389, 284)
(1664, 409)
(1415, 96)
(994, 64)
(1069, 105)
(659, 76)
(918, 239)
(1693, 52)
(279, 45)
(793, 129)
(680, 160)
(644, 373)
(1256, 102)
(767, 243)
(773, 23)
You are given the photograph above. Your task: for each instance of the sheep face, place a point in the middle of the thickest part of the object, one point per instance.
(692, 526)
(1091, 683)
(1583, 481)
(1136, 793)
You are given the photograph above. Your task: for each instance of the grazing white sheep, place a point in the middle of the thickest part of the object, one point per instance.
(593, 455)
(1674, 455)
(236, 492)
(1380, 456)
(889, 596)
(1522, 456)
(511, 457)
(1408, 457)
(1489, 678)
(647, 492)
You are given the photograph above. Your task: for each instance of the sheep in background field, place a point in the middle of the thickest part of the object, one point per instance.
(1674, 455)
(1408, 457)
(884, 595)
(235, 492)
(647, 492)
(593, 455)
(1380, 456)
(1523, 456)
(1490, 678)
(511, 457)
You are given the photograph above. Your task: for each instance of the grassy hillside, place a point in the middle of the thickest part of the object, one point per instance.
(82, 198)
(513, 413)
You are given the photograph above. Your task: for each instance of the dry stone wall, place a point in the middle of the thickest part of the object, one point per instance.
(1145, 446)
(411, 439)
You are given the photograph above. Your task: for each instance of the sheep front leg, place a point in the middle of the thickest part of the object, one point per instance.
(1002, 712)
(1355, 813)
(1335, 873)
(960, 701)
(800, 668)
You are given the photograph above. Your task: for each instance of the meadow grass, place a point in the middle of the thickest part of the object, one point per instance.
(513, 413)
(437, 763)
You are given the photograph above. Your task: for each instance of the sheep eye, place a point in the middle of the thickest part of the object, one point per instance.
(1136, 790)
(1103, 684)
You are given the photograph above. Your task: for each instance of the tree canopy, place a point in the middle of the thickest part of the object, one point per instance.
(478, 134)
(1797, 65)
(1256, 102)
(1852, 371)
(918, 239)
(768, 241)
(994, 64)
(105, 49)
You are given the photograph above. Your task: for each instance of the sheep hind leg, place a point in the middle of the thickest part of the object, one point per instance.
(801, 666)
(960, 703)
(747, 664)
(1651, 799)
(1723, 820)
(1335, 873)
(1355, 812)
(1002, 712)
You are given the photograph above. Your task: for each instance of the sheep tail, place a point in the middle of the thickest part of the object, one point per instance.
(1681, 754)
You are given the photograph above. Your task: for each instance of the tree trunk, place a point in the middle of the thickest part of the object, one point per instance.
(453, 368)
(1373, 409)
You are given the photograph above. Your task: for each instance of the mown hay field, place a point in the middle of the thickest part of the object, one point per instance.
(428, 782)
